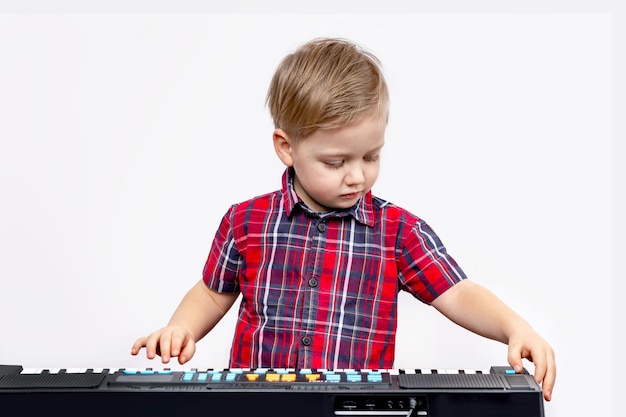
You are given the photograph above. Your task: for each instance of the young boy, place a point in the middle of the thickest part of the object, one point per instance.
(320, 262)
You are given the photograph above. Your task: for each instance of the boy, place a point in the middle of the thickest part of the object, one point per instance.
(320, 262)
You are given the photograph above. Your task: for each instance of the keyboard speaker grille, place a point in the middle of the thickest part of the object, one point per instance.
(45, 380)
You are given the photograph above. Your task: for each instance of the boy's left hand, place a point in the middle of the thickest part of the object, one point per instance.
(534, 348)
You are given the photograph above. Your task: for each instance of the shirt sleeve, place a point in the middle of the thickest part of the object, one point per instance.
(426, 270)
(223, 263)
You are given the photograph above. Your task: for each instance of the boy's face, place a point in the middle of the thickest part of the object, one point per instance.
(334, 168)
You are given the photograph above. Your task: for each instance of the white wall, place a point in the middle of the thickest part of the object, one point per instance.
(121, 134)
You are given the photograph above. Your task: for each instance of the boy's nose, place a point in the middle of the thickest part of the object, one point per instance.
(355, 175)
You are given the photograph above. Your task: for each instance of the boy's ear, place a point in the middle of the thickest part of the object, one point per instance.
(283, 146)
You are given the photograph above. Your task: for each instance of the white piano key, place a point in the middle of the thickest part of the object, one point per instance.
(75, 370)
(32, 371)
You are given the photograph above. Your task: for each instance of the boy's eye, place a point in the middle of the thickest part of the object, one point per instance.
(334, 165)
(372, 158)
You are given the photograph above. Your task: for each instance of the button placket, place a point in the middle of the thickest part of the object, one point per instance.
(310, 282)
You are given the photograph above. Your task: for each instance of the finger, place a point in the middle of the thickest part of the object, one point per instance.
(187, 352)
(154, 345)
(548, 383)
(165, 347)
(540, 370)
(515, 358)
(549, 376)
(139, 343)
(178, 341)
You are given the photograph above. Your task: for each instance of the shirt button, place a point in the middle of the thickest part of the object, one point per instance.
(313, 282)
(306, 340)
(322, 227)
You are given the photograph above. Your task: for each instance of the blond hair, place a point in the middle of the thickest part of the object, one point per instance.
(327, 83)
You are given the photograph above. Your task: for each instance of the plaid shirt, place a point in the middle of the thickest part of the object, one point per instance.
(319, 290)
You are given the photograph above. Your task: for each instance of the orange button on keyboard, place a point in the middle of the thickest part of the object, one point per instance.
(272, 377)
(289, 378)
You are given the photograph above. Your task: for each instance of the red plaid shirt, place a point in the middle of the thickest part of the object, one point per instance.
(319, 290)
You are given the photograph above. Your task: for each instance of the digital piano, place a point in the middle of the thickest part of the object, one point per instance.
(494, 392)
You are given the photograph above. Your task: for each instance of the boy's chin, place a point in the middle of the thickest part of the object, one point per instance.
(342, 204)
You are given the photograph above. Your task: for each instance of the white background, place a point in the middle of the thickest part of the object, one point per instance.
(124, 137)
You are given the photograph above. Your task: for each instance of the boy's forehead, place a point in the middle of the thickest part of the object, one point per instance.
(368, 136)
(358, 148)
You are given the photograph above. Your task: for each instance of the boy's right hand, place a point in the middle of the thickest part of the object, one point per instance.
(168, 342)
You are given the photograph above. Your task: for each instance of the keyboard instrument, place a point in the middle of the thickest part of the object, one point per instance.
(494, 392)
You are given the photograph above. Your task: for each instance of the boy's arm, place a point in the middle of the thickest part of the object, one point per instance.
(480, 311)
(198, 312)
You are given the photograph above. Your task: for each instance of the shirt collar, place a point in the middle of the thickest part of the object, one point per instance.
(362, 211)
